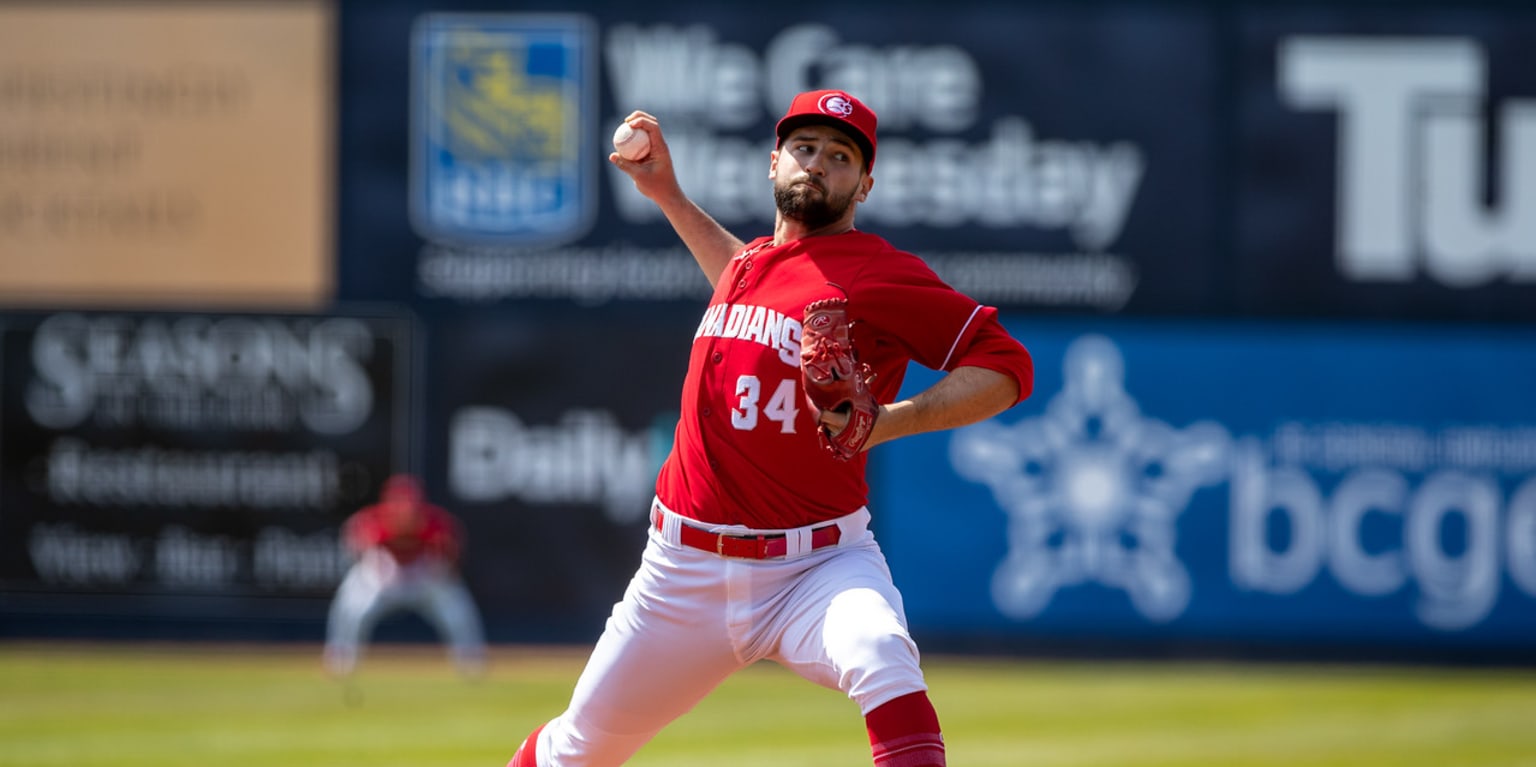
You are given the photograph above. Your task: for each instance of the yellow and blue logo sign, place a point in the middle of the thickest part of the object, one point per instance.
(501, 114)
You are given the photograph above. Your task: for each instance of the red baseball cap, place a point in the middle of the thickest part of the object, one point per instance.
(835, 108)
(403, 487)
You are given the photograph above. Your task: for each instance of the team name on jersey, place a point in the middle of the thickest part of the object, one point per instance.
(758, 324)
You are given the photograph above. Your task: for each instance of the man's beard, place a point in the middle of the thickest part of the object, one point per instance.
(797, 202)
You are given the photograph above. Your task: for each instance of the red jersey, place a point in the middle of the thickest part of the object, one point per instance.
(408, 530)
(746, 450)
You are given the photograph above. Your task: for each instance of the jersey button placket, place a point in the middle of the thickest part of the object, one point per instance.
(715, 355)
(741, 277)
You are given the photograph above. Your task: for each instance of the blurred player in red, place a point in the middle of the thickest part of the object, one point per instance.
(407, 553)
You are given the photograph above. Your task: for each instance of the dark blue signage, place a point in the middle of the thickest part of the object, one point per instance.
(474, 147)
(1387, 165)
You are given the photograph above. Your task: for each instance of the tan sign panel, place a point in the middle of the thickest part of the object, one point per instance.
(154, 154)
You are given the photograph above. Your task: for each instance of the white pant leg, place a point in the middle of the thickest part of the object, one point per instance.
(846, 628)
(349, 619)
(664, 648)
(448, 605)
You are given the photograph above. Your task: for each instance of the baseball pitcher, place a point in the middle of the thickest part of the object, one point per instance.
(760, 546)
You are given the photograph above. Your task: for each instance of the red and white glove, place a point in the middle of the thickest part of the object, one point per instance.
(834, 379)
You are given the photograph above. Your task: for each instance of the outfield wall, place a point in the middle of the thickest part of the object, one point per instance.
(1293, 246)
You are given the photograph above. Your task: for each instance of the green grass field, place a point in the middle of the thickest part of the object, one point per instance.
(255, 706)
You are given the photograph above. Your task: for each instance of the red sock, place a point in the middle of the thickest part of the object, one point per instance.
(905, 733)
(527, 754)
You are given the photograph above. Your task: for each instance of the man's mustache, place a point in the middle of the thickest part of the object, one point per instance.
(810, 181)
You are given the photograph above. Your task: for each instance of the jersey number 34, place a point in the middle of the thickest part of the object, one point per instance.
(782, 406)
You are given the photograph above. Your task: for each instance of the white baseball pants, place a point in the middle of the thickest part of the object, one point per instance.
(690, 618)
(375, 586)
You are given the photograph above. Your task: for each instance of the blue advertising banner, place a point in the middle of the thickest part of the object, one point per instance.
(1302, 484)
(474, 145)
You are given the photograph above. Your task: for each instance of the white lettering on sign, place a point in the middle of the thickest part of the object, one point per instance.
(193, 373)
(684, 72)
(283, 559)
(1008, 179)
(151, 477)
(63, 554)
(1412, 156)
(185, 558)
(933, 87)
(585, 458)
(1458, 583)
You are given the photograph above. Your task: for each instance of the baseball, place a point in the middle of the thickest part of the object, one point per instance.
(632, 145)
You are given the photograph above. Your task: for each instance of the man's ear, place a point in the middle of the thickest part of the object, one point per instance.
(864, 186)
(773, 164)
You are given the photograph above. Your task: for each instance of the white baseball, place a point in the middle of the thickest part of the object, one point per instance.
(632, 145)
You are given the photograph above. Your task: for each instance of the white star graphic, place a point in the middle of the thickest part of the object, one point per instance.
(1092, 489)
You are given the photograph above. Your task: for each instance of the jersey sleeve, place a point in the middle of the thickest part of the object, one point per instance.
(445, 536)
(905, 303)
(937, 326)
(990, 346)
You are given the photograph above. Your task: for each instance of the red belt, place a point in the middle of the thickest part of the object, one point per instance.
(749, 546)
